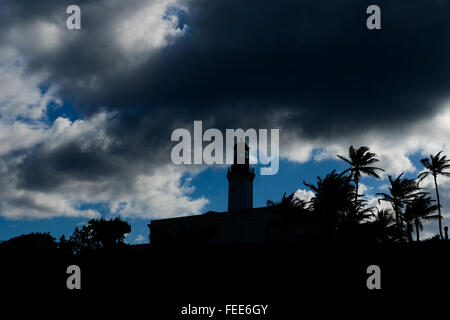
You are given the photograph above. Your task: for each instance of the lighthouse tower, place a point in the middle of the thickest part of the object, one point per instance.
(240, 181)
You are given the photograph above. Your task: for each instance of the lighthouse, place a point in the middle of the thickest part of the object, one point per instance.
(240, 180)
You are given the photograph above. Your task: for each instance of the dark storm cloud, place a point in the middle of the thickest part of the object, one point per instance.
(132, 148)
(307, 66)
(314, 58)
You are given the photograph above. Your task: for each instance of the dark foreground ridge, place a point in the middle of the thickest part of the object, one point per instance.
(284, 277)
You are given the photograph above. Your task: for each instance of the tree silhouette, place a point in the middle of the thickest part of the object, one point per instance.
(401, 192)
(420, 208)
(333, 197)
(30, 241)
(435, 167)
(352, 222)
(292, 213)
(289, 205)
(361, 162)
(356, 214)
(384, 221)
(99, 233)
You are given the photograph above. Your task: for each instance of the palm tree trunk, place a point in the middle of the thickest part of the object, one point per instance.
(397, 222)
(409, 230)
(356, 194)
(396, 215)
(439, 206)
(417, 231)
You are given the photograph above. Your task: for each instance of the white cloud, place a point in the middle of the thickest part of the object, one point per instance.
(37, 36)
(363, 189)
(152, 192)
(139, 239)
(392, 147)
(148, 28)
(160, 195)
(297, 149)
(374, 201)
(19, 92)
(19, 204)
(305, 195)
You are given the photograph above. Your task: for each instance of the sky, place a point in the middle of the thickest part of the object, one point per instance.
(86, 115)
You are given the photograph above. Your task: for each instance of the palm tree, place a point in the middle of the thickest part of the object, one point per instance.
(383, 221)
(401, 192)
(361, 161)
(290, 209)
(417, 210)
(289, 203)
(435, 167)
(292, 213)
(358, 214)
(333, 196)
(352, 221)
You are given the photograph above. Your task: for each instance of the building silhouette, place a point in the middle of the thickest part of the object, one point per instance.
(241, 224)
(240, 181)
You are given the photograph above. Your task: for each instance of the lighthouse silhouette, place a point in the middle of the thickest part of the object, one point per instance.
(240, 179)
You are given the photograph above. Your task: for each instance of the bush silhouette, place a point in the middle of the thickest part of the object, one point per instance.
(31, 241)
(99, 233)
